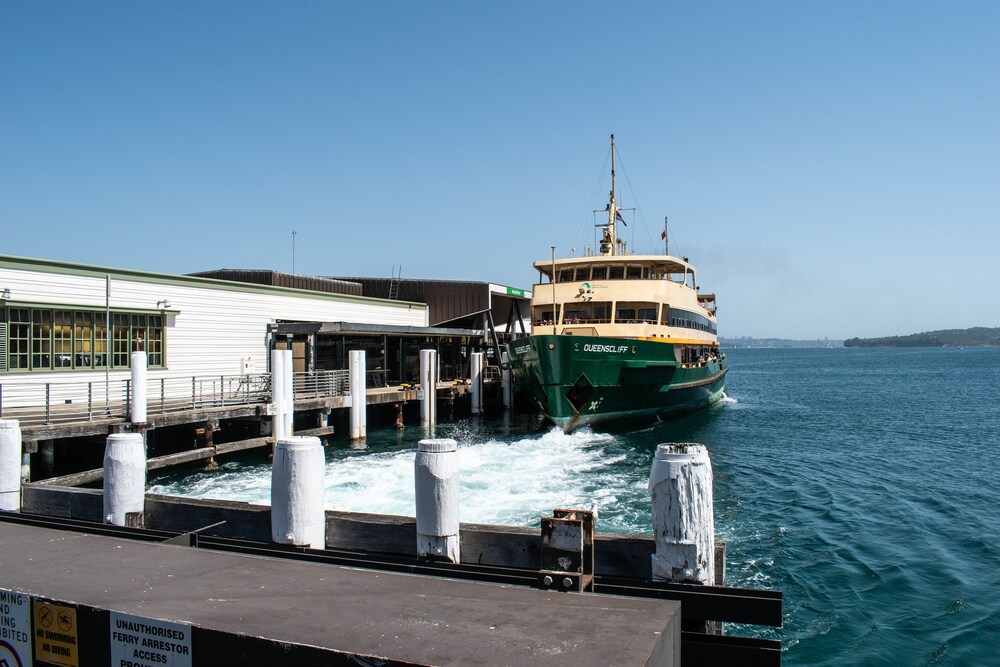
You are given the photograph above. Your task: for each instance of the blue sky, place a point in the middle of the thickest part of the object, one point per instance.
(831, 168)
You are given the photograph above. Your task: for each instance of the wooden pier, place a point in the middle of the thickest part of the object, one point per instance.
(366, 594)
(239, 609)
(215, 414)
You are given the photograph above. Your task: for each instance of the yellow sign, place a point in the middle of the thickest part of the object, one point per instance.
(55, 634)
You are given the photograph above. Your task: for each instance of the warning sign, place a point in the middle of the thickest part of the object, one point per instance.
(55, 634)
(144, 642)
(15, 629)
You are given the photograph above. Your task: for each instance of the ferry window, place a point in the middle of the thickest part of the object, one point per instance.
(601, 312)
(599, 273)
(587, 313)
(616, 273)
(565, 275)
(583, 274)
(648, 315)
(689, 320)
(634, 272)
(647, 272)
(625, 315)
(543, 316)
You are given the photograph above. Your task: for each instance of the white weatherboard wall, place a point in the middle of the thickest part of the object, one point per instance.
(210, 326)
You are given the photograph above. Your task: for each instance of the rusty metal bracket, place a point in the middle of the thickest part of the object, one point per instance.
(567, 551)
(132, 427)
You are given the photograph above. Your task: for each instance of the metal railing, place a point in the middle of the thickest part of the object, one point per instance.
(52, 403)
(165, 395)
(63, 402)
(320, 383)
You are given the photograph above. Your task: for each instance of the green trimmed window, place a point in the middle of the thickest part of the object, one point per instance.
(42, 339)
(18, 338)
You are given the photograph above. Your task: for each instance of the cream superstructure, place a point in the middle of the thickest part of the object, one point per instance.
(624, 296)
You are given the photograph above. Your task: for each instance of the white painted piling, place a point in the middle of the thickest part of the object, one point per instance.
(10, 465)
(277, 393)
(435, 478)
(288, 397)
(25, 468)
(124, 476)
(508, 389)
(428, 385)
(476, 381)
(680, 487)
(297, 492)
(137, 410)
(359, 398)
(282, 394)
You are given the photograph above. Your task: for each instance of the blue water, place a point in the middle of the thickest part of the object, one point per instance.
(861, 483)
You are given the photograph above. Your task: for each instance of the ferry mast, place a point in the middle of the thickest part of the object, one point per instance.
(609, 241)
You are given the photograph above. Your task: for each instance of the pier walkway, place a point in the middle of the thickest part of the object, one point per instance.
(232, 609)
(53, 410)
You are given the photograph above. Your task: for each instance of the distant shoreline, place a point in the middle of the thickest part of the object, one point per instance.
(974, 337)
(746, 342)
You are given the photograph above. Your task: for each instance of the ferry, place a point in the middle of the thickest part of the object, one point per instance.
(618, 337)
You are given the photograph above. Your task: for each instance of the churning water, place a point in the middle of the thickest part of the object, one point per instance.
(862, 483)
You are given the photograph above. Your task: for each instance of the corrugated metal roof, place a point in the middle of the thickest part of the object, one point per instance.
(309, 328)
(447, 300)
(278, 279)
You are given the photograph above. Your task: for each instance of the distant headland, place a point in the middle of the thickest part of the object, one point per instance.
(974, 337)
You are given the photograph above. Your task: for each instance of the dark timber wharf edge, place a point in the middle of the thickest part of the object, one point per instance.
(365, 599)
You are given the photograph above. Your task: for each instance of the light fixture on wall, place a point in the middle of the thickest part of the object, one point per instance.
(163, 303)
(6, 293)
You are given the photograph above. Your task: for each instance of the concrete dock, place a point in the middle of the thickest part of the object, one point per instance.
(388, 617)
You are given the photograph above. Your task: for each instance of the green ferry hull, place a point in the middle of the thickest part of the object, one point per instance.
(583, 380)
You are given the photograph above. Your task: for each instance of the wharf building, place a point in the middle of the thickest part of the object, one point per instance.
(68, 330)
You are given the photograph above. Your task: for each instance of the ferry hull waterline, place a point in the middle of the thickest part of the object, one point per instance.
(618, 336)
(580, 381)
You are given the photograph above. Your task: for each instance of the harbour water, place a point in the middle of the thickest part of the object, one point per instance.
(860, 482)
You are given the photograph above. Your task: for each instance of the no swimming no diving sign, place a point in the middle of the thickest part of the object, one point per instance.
(56, 639)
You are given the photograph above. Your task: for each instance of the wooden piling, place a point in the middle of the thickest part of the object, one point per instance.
(680, 487)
